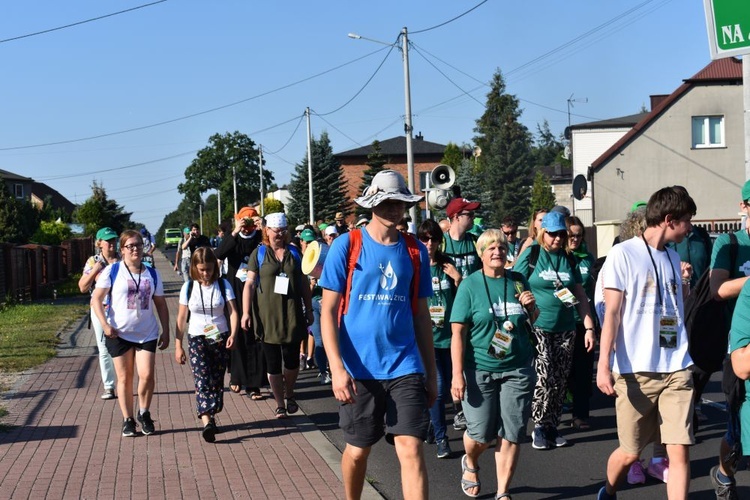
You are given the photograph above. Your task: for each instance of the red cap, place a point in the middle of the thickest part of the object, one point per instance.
(458, 205)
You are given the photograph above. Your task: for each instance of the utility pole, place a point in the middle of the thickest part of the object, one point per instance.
(309, 167)
(218, 204)
(260, 169)
(408, 128)
(234, 185)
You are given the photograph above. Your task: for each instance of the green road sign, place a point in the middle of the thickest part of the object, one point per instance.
(728, 24)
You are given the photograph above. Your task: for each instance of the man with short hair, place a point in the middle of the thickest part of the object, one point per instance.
(644, 358)
(458, 243)
(509, 227)
(330, 234)
(379, 344)
(726, 284)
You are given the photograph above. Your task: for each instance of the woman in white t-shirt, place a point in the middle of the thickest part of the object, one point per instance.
(131, 328)
(210, 337)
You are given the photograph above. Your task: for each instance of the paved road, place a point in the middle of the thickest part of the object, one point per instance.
(576, 471)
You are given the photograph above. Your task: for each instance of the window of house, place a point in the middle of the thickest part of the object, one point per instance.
(708, 132)
(18, 190)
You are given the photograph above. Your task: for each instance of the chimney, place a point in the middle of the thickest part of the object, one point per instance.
(419, 136)
(657, 99)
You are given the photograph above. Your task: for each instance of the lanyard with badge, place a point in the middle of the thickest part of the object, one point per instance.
(562, 292)
(210, 330)
(502, 338)
(137, 289)
(667, 322)
(437, 311)
(281, 284)
(463, 261)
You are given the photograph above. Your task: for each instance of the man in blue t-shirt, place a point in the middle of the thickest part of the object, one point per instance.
(380, 351)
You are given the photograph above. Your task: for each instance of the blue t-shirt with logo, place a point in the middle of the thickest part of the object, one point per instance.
(376, 336)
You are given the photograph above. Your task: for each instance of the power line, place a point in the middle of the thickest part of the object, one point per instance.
(448, 78)
(336, 128)
(449, 20)
(366, 83)
(290, 137)
(149, 162)
(193, 115)
(80, 22)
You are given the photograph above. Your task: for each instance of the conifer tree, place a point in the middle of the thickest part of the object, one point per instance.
(506, 160)
(541, 193)
(329, 188)
(376, 162)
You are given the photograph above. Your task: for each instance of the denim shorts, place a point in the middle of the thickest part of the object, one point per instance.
(395, 407)
(498, 404)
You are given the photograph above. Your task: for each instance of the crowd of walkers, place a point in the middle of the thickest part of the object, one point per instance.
(407, 325)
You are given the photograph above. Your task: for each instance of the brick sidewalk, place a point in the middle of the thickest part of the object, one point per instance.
(65, 442)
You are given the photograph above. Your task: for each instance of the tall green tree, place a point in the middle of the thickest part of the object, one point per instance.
(376, 161)
(214, 166)
(547, 147)
(506, 160)
(452, 156)
(470, 185)
(99, 211)
(329, 188)
(541, 193)
(18, 218)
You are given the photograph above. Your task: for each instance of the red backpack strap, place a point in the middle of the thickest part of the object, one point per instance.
(413, 247)
(352, 255)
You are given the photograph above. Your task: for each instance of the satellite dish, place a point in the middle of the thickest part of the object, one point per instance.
(580, 187)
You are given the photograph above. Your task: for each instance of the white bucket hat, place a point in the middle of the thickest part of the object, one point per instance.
(386, 185)
(276, 220)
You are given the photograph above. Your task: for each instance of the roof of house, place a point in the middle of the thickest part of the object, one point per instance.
(41, 191)
(10, 176)
(396, 146)
(727, 70)
(557, 173)
(619, 122)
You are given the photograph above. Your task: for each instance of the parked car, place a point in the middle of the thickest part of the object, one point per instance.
(172, 237)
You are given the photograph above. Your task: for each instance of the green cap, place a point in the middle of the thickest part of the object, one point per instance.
(637, 205)
(186, 230)
(307, 235)
(106, 233)
(323, 226)
(746, 191)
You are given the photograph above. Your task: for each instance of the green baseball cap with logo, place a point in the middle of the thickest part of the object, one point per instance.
(106, 233)
(307, 235)
(637, 205)
(746, 191)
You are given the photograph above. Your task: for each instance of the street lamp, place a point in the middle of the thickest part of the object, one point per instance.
(407, 100)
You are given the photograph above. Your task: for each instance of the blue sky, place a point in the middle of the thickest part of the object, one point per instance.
(183, 57)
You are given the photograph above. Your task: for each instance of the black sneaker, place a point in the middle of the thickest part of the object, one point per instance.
(128, 427)
(459, 422)
(209, 432)
(147, 425)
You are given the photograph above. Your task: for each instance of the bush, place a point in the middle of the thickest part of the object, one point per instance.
(51, 233)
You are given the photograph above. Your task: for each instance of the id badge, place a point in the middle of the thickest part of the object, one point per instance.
(281, 285)
(212, 333)
(242, 272)
(566, 296)
(437, 314)
(435, 284)
(668, 332)
(500, 343)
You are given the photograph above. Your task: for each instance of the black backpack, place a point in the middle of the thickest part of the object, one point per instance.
(534, 258)
(707, 322)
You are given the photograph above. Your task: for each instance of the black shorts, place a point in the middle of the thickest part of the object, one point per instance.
(396, 407)
(117, 346)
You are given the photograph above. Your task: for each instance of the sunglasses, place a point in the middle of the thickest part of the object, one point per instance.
(576, 236)
(557, 234)
(425, 238)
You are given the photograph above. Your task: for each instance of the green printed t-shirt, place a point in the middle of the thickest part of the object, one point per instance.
(739, 336)
(443, 291)
(585, 264)
(463, 253)
(553, 315)
(472, 308)
(720, 258)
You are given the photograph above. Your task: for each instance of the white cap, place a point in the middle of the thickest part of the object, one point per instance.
(276, 220)
(330, 230)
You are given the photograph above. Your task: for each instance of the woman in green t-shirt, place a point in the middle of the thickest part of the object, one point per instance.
(556, 282)
(445, 279)
(491, 352)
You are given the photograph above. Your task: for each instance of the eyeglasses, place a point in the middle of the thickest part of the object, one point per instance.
(426, 238)
(133, 247)
(576, 236)
(279, 231)
(557, 234)
(509, 233)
